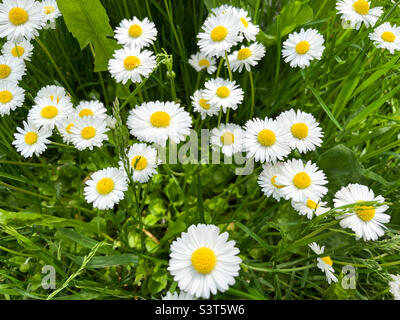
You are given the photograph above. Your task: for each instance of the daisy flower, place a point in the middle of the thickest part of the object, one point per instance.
(266, 140)
(300, 48)
(20, 19)
(31, 140)
(129, 63)
(11, 69)
(324, 263)
(88, 132)
(91, 108)
(64, 126)
(106, 188)
(229, 137)
(387, 37)
(356, 12)
(201, 105)
(181, 296)
(302, 182)
(200, 61)
(22, 50)
(55, 93)
(135, 33)
(11, 97)
(159, 121)
(50, 10)
(247, 56)
(223, 93)
(394, 286)
(365, 220)
(202, 261)
(224, 9)
(219, 34)
(310, 207)
(304, 130)
(267, 180)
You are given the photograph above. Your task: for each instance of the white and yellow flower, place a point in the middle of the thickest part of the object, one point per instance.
(387, 37)
(310, 207)
(200, 61)
(229, 138)
(324, 263)
(223, 93)
(247, 57)
(11, 70)
(55, 93)
(20, 50)
(201, 105)
(88, 132)
(135, 33)
(357, 12)
(394, 286)
(64, 126)
(267, 180)
(50, 10)
(11, 97)
(93, 108)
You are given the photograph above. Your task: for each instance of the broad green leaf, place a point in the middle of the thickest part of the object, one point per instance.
(174, 229)
(294, 15)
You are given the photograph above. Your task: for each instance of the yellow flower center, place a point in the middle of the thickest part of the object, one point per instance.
(17, 51)
(365, 213)
(5, 71)
(299, 130)
(139, 163)
(327, 260)
(49, 112)
(85, 112)
(31, 138)
(88, 132)
(227, 138)
(105, 186)
(245, 23)
(244, 53)
(135, 31)
(68, 128)
(302, 47)
(160, 119)
(361, 7)
(18, 16)
(49, 9)
(52, 97)
(204, 260)
(203, 103)
(204, 63)
(388, 36)
(302, 180)
(312, 204)
(5, 96)
(274, 183)
(266, 138)
(131, 62)
(223, 92)
(219, 33)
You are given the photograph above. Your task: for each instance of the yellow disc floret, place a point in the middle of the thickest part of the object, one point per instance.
(131, 62)
(204, 63)
(5, 96)
(388, 36)
(105, 186)
(139, 163)
(273, 181)
(68, 128)
(18, 16)
(160, 119)
(245, 23)
(219, 33)
(312, 204)
(203, 260)
(5, 71)
(135, 31)
(223, 92)
(361, 6)
(86, 112)
(49, 9)
(17, 51)
(244, 53)
(88, 132)
(327, 260)
(227, 138)
(365, 213)
(266, 138)
(299, 130)
(49, 112)
(302, 180)
(203, 103)
(302, 47)
(31, 138)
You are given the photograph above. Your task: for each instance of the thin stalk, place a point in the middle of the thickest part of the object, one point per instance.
(252, 94)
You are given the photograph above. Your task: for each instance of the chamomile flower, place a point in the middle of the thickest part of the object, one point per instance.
(310, 207)
(387, 37)
(357, 12)
(129, 63)
(200, 61)
(11, 70)
(88, 132)
(219, 34)
(301, 48)
(224, 9)
(135, 33)
(394, 286)
(11, 97)
(181, 296)
(304, 130)
(20, 19)
(229, 137)
(159, 121)
(266, 140)
(301, 181)
(50, 10)
(106, 188)
(91, 108)
(324, 263)
(31, 140)
(248, 29)
(20, 50)
(64, 126)
(201, 105)
(366, 220)
(223, 93)
(55, 93)
(247, 56)
(267, 180)
(202, 261)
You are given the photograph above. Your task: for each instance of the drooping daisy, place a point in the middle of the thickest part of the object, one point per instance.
(91, 108)
(324, 263)
(181, 296)
(88, 132)
(50, 10)
(219, 34)
(202, 261)
(200, 61)
(310, 207)
(20, 50)
(30, 140)
(223, 93)
(394, 286)
(129, 63)
(247, 56)
(64, 126)
(55, 93)
(201, 105)
(356, 12)
(229, 137)
(106, 188)
(11, 97)
(159, 121)
(11, 69)
(302, 181)
(387, 37)
(135, 33)
(304, 130)
(366, 220)
(267, 180)
(20, 19)
(301, 48)
(266, 140)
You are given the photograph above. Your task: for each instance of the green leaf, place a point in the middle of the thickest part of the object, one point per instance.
(294, 15)
(174, 229)
(106, 261)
